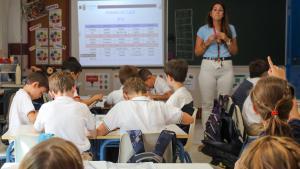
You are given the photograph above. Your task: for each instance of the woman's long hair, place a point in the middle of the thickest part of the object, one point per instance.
(224, 24)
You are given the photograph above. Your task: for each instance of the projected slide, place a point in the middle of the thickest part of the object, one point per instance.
(120, 32)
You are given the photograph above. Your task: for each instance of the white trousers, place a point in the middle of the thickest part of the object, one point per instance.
(213, 81)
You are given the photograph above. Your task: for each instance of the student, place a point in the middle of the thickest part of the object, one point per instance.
(257, 69)
(74, 67)
(116, 96)
(22, 111)
(55, 153)
(159, 87)
(252, 120)
(140, 112)
(273, 101)
(64, 117)
(176, 71)
(270, 152)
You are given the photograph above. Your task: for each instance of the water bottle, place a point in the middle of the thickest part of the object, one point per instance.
(18, 75)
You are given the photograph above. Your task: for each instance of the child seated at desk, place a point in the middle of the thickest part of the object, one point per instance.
(22, 111)
(64, 117)
(176, 71)
(74, 67)
(116, 96)
(55, 153)
(140, 112)
(159, 88)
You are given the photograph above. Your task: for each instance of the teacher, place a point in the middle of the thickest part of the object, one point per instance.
(216, 42)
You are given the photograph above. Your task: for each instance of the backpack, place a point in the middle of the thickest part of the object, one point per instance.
(222, 138)
(156, 156)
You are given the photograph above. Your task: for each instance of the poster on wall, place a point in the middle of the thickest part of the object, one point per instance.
(55, 37)
(41, 37)
(55, 18)
(41, 56)
(55, 56)
(34, 10)
(92, 81)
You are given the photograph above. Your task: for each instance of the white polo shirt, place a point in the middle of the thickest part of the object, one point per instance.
(249, 115)
(115, 96)
(180, 97)
(142, 113)
(66, 118)
(160, 86)
(20, 107)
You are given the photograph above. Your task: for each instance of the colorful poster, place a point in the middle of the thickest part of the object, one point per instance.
(41, 37)
(55, 18)
(34, 10)
(55, 56)
(92, 81)
(55, 37)
(41, 56)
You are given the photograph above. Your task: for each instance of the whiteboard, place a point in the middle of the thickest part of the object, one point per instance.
(119, 32)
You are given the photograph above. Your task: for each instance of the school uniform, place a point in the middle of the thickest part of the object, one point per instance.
(20, 107)
(180, 98)
(115, 96)
(142, 113)
(250, 116)
(160, 86)
(66, 118)
(241, 93)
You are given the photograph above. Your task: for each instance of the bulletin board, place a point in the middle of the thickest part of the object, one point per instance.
(48, 31)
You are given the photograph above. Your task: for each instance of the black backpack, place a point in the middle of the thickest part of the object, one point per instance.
(156, 156)
(222, 139)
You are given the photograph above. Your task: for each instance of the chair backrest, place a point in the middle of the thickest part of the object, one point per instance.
(191, 130)
(126, 150)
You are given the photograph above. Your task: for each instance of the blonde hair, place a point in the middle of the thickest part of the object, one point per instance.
(55, 153)
(134, 85)
(273, 100)
(271, 152)
(61, 82)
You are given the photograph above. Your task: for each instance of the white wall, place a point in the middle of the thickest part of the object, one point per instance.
(12, 28)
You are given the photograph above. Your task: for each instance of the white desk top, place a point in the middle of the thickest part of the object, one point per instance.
(28, 130)
(108, 165)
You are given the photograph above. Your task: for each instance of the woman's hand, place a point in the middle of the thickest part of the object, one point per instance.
(212, 38)
(222, 36)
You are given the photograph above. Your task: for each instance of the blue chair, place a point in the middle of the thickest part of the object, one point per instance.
(107, 144)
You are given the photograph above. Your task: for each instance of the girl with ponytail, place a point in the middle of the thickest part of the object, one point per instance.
(273, 100)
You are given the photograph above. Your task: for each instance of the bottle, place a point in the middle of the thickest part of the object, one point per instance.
(18, 74)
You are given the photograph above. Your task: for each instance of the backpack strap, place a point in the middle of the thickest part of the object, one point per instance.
(163, 141)
(136, 141)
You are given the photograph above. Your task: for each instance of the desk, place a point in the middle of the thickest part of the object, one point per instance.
(108, 165)
(29, 131)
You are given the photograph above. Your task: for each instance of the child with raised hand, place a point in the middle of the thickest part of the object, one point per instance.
(22, 111)
(273, 100)
(55, 153)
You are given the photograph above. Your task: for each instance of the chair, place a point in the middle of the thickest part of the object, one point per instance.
(191, 130)
(126, 150)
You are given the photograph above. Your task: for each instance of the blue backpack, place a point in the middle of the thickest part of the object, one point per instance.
(222, 139)
(156, 156)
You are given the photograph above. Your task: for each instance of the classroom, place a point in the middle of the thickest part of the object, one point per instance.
(149, 84)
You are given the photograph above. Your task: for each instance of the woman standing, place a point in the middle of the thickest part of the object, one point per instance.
(216, 42)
